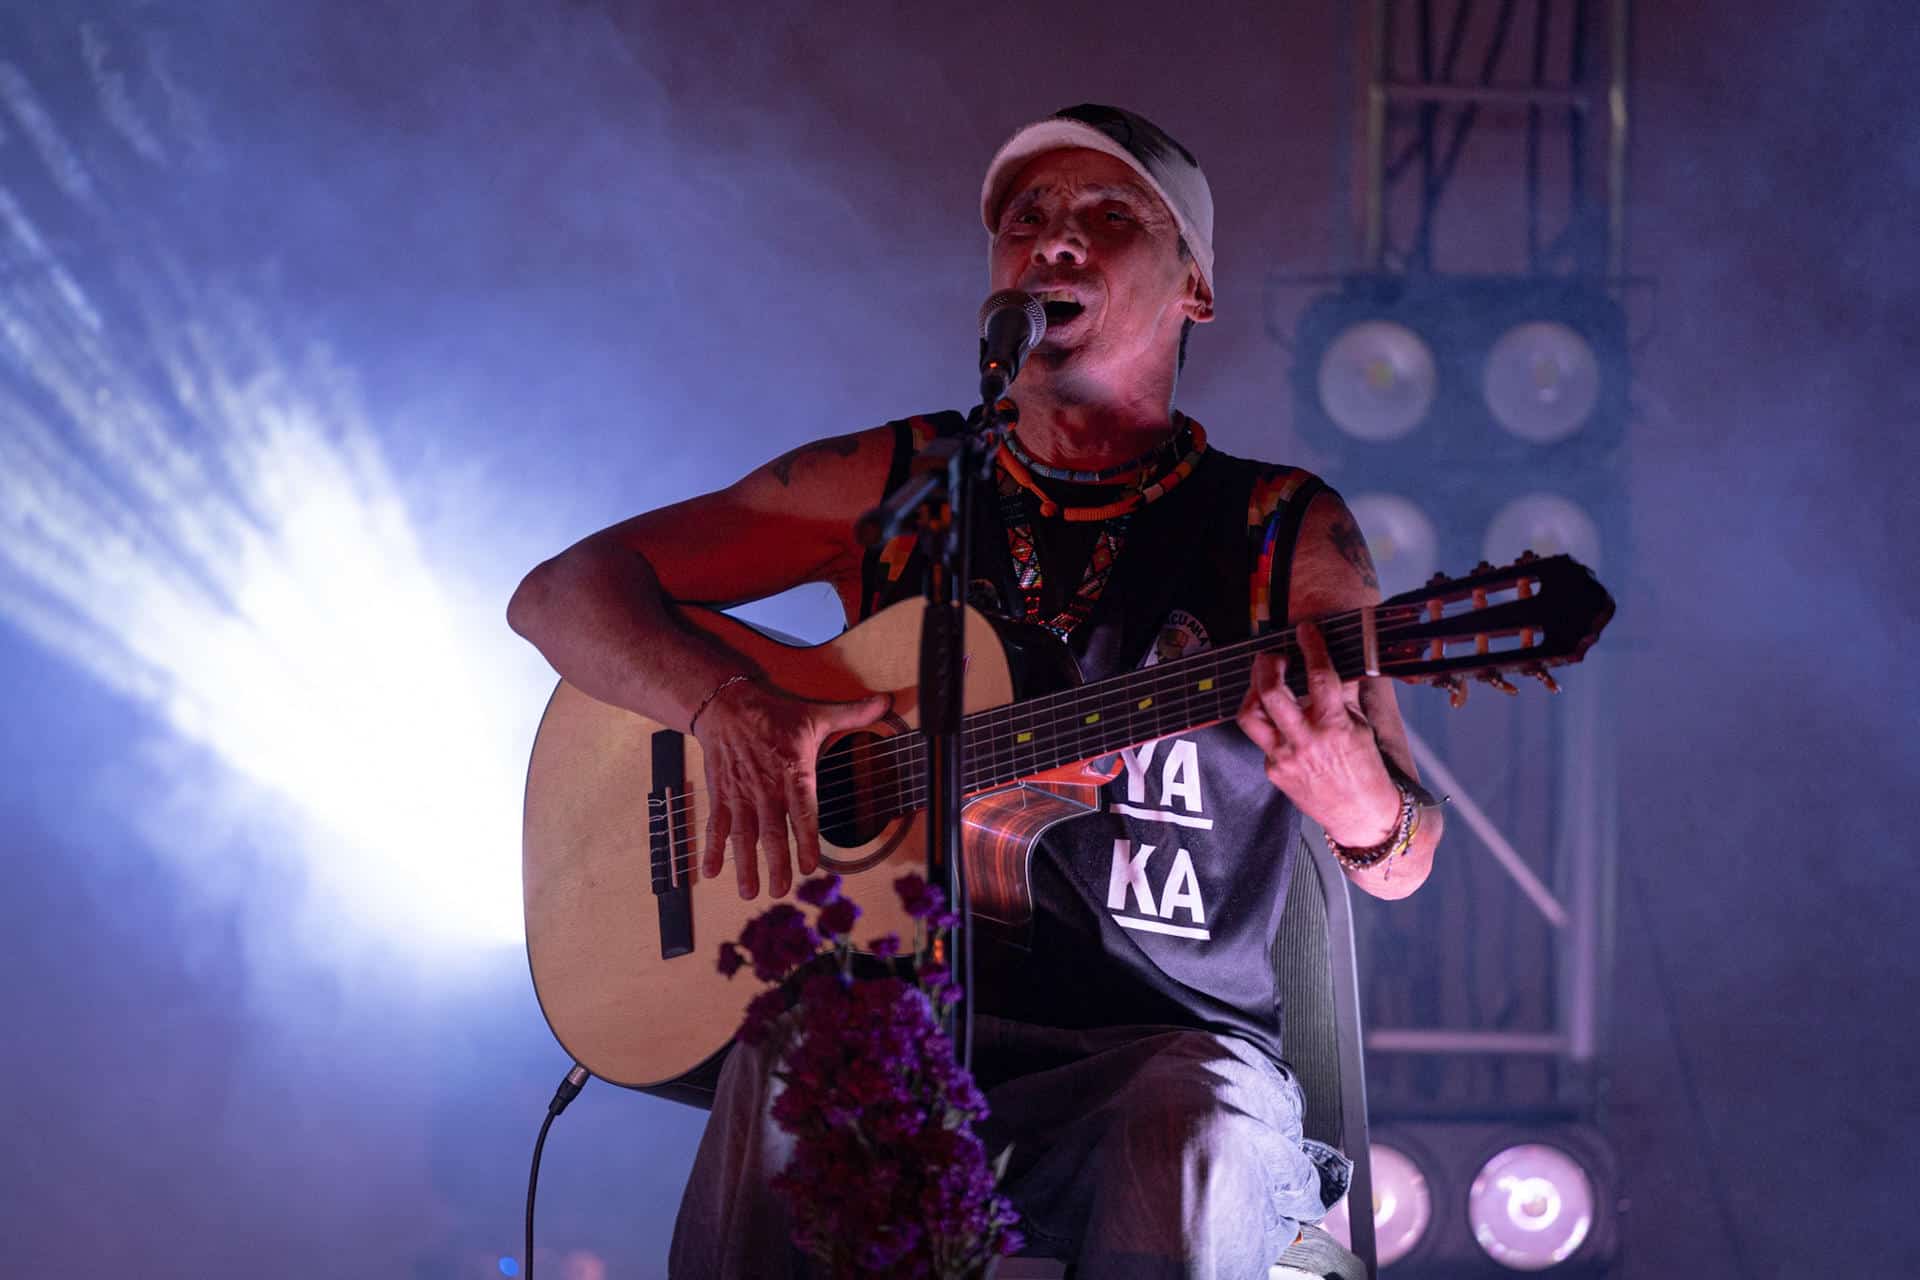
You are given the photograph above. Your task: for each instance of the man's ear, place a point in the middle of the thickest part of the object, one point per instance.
(1197, 306)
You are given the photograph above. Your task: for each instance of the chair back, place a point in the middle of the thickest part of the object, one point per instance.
(1318, 981)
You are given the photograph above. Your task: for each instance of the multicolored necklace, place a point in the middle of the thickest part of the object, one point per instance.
(1021, 495)
(1015, 463)
(1106, 476)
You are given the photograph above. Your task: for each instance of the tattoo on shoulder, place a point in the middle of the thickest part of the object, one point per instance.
(838, 446)
(1353, 549)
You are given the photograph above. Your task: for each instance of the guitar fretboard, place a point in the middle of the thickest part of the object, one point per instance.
(1024, 738)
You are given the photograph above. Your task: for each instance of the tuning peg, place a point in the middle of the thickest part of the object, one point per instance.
(1498, 681)
(1438, 580)
(1527, 557)
(1540, 673)
(1456, 689)
(1485, 566)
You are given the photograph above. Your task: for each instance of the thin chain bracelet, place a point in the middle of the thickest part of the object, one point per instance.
(707, 701)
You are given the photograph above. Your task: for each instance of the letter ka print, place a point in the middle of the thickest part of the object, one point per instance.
(1180, 893)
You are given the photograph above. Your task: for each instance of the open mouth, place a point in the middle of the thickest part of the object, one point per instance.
(1059, 313)
(1060, 306)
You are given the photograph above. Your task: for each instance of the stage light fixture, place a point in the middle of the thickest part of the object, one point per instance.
(1542, 381)
(1546, 524)
(1402, 1206)
(1402, 1203)
(1377, 380)
(1402, 540)
(1531, 1206)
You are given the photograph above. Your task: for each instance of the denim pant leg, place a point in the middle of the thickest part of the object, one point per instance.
(731, 1225)
(1156, 1153)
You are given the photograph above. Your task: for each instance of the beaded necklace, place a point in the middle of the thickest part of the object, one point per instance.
(1104, 476)
(1016, 466)
(1021, 498)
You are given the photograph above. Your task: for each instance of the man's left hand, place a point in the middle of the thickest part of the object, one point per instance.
(1320, 749)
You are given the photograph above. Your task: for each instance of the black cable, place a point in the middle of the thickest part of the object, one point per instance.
(576, 1080)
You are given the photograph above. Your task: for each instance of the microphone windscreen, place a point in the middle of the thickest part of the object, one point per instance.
(1016, 300)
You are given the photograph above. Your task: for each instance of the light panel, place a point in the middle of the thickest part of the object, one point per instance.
(1545, 524)
(1542, 381)
(1531, 1207)
(1401, 539)
(1377, 380)
(1402, 1204)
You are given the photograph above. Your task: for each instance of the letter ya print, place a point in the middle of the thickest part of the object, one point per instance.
(1178, 800)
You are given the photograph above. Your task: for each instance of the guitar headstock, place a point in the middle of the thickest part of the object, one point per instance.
(1536, 613)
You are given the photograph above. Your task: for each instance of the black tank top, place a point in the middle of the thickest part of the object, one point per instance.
(1161, 909)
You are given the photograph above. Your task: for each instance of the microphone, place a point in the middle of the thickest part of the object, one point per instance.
(1011, 324)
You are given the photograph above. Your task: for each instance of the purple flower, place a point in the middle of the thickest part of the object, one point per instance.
(938, 983)
(918, 897)
(819, 891)
(887, 1179)
(779, 940)
(761, 1011)
(837, 917)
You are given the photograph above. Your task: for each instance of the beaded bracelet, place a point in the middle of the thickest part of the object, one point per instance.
(718, 689)
(1396, 843)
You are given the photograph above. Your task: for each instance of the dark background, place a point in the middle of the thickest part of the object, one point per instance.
(577, 260)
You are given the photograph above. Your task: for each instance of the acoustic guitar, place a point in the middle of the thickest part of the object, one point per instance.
(623, 934)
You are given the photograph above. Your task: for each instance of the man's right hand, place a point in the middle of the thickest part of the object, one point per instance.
(760, 746)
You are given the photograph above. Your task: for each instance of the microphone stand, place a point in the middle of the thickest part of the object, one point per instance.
(937, 502)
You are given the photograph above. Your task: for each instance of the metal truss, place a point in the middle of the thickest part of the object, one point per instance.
(1440, 74)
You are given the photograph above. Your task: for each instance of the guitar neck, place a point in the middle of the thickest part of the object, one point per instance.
(1033, 736)
(1522, 618)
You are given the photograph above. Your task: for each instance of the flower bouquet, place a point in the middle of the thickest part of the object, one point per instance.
(887, 1176)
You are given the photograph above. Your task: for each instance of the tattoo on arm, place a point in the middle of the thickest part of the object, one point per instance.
(1353, 548)
(838, 446)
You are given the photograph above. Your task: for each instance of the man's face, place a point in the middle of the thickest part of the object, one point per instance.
(1082, 232)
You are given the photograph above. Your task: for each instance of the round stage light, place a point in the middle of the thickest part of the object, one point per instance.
(1542, 381)
(1545, 524)
(1531, 1207)
(1402, 1205)
(1377, 380)
(1402, 540)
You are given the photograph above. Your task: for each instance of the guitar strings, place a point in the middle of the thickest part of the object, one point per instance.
(875, 756)
(903, 748)
(901, 799)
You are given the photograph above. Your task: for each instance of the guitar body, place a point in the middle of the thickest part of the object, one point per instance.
(623, 937)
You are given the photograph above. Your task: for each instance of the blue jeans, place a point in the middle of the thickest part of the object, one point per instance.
(1153, 1153)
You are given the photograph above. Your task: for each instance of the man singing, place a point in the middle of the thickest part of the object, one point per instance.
(1136, 1065)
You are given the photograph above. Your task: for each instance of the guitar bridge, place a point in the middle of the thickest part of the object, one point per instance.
(669, 847)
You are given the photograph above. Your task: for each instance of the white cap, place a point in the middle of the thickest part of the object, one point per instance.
(1168, 168)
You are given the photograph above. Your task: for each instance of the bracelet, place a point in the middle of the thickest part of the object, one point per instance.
(707, 701)
(1396, 843)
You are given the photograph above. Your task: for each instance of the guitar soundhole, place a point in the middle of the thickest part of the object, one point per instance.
(865, 778)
